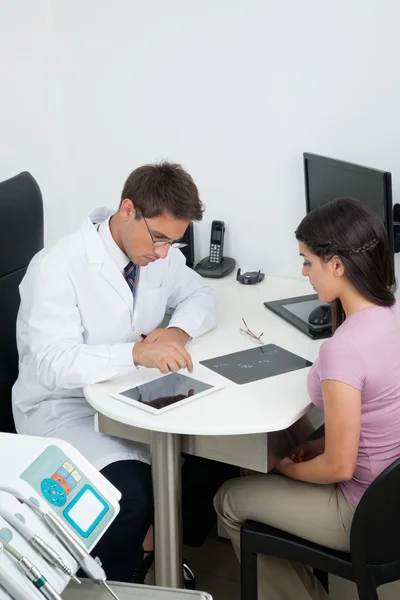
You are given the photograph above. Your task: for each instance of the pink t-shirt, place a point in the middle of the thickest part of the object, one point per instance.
(364, 352)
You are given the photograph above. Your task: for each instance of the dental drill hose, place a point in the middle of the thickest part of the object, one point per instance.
(10, 584)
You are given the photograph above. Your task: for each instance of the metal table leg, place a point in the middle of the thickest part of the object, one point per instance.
(166, 471)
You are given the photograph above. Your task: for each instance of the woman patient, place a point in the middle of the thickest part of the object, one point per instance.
(355, 380)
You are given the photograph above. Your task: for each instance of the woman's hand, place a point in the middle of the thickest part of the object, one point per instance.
(336, 460)
(280, 468)
(308, 450)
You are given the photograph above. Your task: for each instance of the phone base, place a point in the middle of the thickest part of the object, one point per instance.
(207, 269)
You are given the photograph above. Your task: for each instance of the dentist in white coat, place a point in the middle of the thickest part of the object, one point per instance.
(82, 303)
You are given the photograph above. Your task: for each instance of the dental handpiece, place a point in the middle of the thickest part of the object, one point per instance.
(32, 573)
(38, 580)
(50, 555)
(91, 566)
(12, 585)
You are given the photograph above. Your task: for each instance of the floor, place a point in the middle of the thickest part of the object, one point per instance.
(217, 573)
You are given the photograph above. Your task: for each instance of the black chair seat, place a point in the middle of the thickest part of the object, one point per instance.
(274, 542)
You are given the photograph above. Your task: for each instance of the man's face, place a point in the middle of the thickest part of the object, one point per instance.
(137, 236)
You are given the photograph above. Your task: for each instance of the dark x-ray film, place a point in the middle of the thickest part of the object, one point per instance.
(256, 363)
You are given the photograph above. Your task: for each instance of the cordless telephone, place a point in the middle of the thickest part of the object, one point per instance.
(216, 265)
(217, 242)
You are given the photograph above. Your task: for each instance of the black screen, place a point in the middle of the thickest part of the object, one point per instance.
(167, 390)
(327, 179)
(216, 235)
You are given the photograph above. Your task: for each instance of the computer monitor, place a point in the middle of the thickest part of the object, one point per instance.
(188, 250)
(327, 178)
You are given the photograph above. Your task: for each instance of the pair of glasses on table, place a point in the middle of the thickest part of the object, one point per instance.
(246, 331)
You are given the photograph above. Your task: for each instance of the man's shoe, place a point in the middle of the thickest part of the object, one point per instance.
(142, 567)
(189, 578)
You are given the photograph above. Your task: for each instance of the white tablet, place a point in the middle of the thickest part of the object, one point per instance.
(165, 393)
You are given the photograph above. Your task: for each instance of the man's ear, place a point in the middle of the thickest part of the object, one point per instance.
(127, 209)
(337, 266)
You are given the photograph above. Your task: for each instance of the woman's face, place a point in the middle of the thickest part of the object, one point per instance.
(323, 276)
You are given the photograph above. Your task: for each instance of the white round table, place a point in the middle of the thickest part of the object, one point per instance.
(270, 404)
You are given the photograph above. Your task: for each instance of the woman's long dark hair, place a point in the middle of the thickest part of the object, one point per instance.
(350, 230)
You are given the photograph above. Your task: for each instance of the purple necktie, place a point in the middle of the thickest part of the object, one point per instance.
(130, 274)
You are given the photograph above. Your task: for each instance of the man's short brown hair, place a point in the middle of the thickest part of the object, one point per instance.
(163, 188)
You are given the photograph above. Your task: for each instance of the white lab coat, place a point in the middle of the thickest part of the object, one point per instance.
(77, 325)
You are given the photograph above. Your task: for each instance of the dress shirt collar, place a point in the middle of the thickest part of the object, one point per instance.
(119, 257)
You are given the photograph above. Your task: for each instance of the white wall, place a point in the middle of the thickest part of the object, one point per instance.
(235, 91)
(30, 123)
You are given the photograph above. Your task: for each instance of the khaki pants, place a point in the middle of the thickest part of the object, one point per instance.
(318, 513)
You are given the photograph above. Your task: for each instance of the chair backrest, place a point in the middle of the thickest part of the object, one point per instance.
(21, 237)
(375, 532)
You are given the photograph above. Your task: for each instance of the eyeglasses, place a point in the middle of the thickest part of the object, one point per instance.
(160, 243)
(254, 338)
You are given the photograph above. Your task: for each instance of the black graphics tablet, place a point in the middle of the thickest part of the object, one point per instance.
(296, 312)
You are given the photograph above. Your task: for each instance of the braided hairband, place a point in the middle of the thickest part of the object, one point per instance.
(360, 250)
(329, 249)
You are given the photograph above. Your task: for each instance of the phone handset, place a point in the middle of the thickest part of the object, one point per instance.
(216, 265)
(217, 242)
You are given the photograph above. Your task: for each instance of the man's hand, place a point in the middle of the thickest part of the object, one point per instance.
(171, 334)
(308, 450)
(165, 356)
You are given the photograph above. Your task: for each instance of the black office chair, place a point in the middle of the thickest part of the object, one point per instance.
(21, 236)
(374, 557)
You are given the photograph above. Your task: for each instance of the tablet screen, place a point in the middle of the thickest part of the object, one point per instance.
(166, 391)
